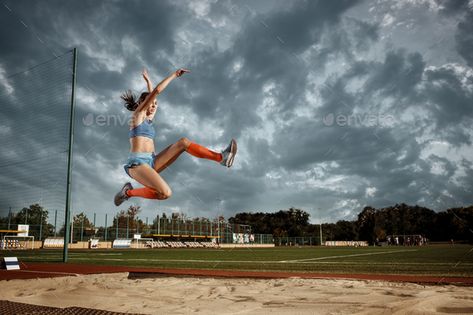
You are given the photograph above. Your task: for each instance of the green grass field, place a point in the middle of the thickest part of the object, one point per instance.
(435, 260)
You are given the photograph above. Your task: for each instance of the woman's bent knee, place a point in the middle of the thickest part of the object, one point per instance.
(167, 193)
(184, 143)
(164, 193)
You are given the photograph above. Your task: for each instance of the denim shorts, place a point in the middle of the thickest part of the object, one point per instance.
(138, 158)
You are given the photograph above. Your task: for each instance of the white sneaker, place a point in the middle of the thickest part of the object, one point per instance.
(228, 155)
(121, 196)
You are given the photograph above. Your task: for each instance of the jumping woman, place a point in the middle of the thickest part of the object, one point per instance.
(143, 165)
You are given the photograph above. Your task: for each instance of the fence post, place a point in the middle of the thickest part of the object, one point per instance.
(9, 218)
(41, 226)
(55, 222)
(72, 228)
(116, 232)
(82, 229)
(127, 225)
(106, 228)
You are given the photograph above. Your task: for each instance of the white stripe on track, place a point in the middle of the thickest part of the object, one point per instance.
(351, 255)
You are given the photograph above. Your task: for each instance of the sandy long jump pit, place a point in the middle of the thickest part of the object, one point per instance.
(117, 292)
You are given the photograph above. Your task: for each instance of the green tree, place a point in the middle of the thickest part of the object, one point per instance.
(127, 221)
(37, 218)
(366, 225)
(83, 228)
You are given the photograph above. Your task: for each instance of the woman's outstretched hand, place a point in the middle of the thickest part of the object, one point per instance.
(180, 72)
(145, 74)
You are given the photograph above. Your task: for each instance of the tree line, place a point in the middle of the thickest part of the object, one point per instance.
(370, 225)
(123, 224)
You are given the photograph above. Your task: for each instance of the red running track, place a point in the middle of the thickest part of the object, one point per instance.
(48, 270)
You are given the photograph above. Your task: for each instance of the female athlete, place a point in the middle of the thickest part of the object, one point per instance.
(143, 165)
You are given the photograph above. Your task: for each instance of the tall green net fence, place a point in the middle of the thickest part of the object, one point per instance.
(34, 140)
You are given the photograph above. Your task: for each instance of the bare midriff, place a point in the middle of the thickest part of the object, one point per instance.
(141, 144)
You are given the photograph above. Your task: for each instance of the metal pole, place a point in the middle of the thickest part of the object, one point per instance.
(321, 233)
(9, 218)
(40, 225)
(106, 228)
(159, 224)
(55, 222)
(69, 160)
(26, 216)
(116, 232)
(127, 226)
(82, 229)
(72, 229)
(94, 219)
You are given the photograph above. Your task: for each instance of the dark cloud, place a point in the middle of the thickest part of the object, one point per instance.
(453, 6)
(329, 111)
(464, 38)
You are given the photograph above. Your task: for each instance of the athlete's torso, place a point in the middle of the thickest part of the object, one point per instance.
(141, 135)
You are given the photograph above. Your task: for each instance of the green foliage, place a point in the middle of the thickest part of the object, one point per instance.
(37, 218)
(292, 222)
(371, 224)
(128, 219)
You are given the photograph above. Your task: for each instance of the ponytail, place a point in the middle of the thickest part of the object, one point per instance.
(130, 100)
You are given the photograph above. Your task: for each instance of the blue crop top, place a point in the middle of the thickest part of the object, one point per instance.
(145, 129)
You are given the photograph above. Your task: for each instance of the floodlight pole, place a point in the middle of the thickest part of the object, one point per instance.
(69, 160)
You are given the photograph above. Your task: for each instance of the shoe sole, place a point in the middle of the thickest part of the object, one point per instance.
(117, 198)
(233, 151)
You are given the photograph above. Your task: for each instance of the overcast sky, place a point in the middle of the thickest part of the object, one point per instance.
(335, 105)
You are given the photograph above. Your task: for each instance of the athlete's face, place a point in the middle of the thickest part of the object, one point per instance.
(151, 110)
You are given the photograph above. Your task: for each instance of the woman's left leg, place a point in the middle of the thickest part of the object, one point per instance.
(172, 152)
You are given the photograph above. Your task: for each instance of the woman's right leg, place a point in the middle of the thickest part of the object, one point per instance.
(172, 152)
(155, 186)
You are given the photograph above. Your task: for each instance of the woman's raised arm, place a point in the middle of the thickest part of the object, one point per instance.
(147, 79)
(159, 89)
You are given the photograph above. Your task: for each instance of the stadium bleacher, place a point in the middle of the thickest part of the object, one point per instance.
(51, 242)
(122, 243)
(179, 244)
(10, 244)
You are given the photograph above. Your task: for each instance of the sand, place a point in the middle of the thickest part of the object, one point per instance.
(186, 295)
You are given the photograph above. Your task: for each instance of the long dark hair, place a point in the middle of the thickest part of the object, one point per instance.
(130, 99)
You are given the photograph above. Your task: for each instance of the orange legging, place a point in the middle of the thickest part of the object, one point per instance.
(203, 153)
(144, 192)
